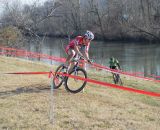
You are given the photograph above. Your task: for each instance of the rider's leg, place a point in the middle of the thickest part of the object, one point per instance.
(84, 65)
(82, 50)
(114, 78)
(117, 77)
(114, 74)
(71, 54)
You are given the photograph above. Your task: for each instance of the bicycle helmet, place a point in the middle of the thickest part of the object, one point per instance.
(89, 35)
(112, 58)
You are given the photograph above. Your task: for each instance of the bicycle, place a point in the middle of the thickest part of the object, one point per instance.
(117, 79)
(72, 85)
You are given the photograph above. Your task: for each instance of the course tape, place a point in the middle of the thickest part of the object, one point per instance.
(24, 53)
(29, 73)
(33, 73)
(95, 82)
(124, 73)
(114, 86)
(155, 76)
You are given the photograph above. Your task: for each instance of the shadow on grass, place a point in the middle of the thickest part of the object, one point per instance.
(17, 91)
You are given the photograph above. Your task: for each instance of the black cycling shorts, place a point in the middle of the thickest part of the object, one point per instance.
(113, 67)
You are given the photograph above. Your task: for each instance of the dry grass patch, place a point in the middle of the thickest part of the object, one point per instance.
(25, 103)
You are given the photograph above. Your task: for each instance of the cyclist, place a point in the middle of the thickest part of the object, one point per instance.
(114, 64)
(78, 44)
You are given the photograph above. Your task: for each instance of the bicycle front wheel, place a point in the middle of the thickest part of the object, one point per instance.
(75, 85)
(120, 81)
(117, 79)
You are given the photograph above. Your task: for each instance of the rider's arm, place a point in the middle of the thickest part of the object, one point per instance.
(76, 48)
(86, 51)
(119, 66)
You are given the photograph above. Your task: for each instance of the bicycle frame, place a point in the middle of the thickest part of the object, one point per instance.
(76, 60)
(75, 71)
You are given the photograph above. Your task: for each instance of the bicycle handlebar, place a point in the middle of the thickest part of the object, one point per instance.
(76, 59)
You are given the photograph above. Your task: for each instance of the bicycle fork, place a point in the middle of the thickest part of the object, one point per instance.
(75, 72)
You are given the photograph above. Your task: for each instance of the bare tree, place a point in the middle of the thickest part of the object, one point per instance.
(109, 19)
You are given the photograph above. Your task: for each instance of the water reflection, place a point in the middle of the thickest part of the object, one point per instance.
(133, 57)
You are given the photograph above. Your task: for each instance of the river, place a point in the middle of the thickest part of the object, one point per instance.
(133, 57)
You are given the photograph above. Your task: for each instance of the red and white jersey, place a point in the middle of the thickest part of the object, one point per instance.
(77, 41)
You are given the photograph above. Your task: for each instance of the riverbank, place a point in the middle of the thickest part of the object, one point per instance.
(25, 102)
(125, 39)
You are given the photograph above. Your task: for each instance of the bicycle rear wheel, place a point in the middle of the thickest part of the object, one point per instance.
(75, 85)
(58, 78)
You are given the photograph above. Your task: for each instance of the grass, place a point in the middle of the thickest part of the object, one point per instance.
(25, 102)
